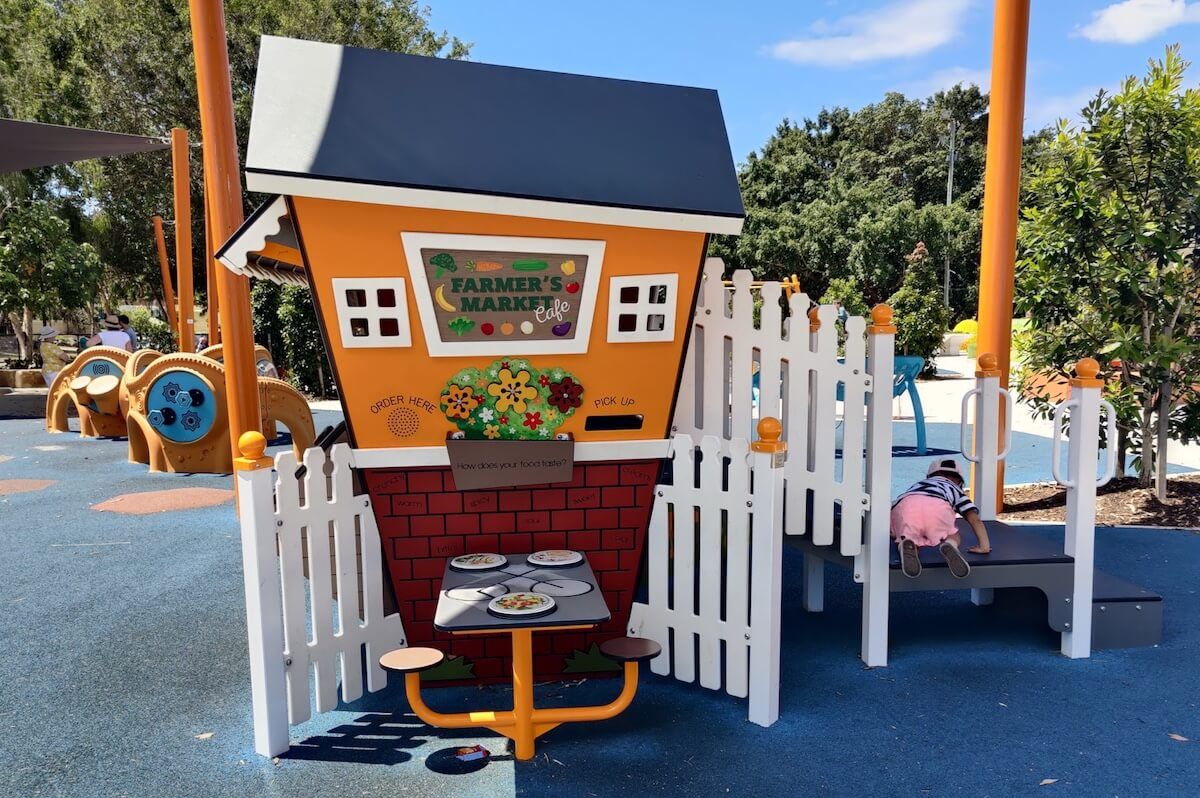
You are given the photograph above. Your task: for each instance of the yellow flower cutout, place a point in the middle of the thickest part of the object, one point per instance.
(511, 391)
(551, 414)
(491, 431)
(459, 401)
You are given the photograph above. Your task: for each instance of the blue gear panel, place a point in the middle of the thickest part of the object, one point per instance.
(181, 407)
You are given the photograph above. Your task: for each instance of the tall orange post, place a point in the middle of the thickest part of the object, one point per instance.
(225, 211)
(210, 269)
(164, 266)
(181, 173)
(1002, 178)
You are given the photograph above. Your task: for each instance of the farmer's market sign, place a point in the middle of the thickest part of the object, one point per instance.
(501, 294)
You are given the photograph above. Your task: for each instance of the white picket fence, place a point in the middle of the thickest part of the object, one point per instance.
(295, 624)
(714, 555)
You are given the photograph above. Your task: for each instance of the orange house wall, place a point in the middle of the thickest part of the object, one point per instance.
(348, 239)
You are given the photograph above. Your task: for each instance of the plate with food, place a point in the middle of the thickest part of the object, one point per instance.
(555, 558)
(521, 605)
(478, 562)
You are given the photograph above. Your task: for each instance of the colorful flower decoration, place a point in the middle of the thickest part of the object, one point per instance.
(459, 401)
(565, 395)
(511, 400)
(512, 390)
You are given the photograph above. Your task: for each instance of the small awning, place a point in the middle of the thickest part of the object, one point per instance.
(265, 246)
(29, 145)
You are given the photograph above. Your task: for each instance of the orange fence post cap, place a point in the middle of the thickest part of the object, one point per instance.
(1087, 368)
(769, 433)
(881, 319)
(253, 447)
(814, 323)
(986, 365)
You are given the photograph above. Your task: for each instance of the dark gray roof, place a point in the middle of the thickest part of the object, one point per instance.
(373, 117)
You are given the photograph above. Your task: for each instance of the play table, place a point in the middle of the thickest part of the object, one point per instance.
(463, 609)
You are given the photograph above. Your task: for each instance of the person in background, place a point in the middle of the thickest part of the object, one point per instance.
(924, 516)
(111, 335)
(53, 358)
(127, 328)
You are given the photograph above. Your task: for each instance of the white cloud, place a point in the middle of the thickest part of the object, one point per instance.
(1044, 111)
(1133, 21)
(899, 30)
(945, 79)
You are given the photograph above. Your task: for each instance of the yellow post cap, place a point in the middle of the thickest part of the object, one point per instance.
(769, 433)
(252, 444)
(1087, 368)
(881, 319)
(987, 366)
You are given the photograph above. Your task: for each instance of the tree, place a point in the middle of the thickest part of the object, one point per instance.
(43, 270)
(846, 196)
(1109, 243)
(921, 316)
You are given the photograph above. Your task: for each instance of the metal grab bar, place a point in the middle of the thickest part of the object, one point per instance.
(1110, 465)
(963, 443)
(1056, 441)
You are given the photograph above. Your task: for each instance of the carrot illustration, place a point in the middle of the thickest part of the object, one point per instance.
(487, 266)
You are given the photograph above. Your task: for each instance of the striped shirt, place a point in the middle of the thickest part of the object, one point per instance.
(941, 488)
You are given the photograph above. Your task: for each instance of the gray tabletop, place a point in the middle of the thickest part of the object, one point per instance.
(463, 600)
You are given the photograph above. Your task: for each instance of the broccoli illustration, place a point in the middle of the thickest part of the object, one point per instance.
(444, 262)
(461, 325)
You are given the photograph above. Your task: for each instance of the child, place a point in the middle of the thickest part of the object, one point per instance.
(924, 516)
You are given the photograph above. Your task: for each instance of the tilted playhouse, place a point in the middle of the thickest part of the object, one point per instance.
(533, 352)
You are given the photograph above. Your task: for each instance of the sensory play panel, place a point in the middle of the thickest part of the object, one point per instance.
(505, 300)
(91, 382)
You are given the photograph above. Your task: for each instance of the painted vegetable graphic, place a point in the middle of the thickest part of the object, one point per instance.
(440, 297)
(486, 328)
(561, 329)
(461, 325)
(530, 265)
(572, 287)
(506, 328)
(568, 267)
(484, 266)
(444, 263)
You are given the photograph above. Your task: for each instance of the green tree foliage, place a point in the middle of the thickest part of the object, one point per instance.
(286, 323)
(919, 304)
(152, 333)
(1108, 258)
(44, 271)
(847, 196)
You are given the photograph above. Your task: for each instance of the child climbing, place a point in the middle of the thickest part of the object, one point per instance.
(923, 515)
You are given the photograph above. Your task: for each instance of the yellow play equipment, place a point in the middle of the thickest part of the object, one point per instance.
(92, 383)
(176, 417)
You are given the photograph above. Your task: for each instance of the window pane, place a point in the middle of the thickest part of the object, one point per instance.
(629, 295)
(658, 294)
(655, 322)
(356, 297)
(627, 322)
(389, 327)
(386, 297)
(358, 328)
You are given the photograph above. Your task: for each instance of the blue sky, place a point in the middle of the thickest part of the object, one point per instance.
(771, 59)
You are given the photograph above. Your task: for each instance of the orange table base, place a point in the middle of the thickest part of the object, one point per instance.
(524, 723)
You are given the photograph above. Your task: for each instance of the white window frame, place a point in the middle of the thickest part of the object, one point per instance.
(440, 347)
(642, 309)
(372, 312)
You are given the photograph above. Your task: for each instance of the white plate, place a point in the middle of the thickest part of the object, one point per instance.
(540, 604)
(555, 558)
(478, 562)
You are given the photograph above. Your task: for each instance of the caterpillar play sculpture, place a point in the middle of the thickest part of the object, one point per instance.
(92, 383)
(177, 419)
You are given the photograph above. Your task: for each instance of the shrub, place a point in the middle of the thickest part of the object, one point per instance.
(285, 323)
(152, 333)
(921, 318)
(846, 291)
(968, 326)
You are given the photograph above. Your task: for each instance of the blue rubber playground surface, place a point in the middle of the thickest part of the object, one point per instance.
(125, 674)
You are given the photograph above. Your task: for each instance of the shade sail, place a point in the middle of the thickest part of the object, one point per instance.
(28, 145)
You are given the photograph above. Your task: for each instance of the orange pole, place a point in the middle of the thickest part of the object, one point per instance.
(210, 270)
(1002, 181)
(225, 208)
(164, 266)
(181, 174)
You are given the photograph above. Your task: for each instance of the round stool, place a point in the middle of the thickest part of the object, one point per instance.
(630, 649)
(411, 660)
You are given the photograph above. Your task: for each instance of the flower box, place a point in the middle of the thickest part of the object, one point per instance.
(494, 464)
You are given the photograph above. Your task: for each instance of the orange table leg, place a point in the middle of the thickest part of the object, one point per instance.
(522, 668)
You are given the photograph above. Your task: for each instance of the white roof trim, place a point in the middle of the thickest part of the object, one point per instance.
(236, 256)
(486, 203)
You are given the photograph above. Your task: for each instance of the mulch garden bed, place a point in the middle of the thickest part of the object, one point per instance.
(1119, 503)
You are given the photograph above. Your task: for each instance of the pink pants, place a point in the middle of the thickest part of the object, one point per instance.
(925, 520)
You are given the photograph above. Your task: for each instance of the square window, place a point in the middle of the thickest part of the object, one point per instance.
(358, 328)
(386, 297)
(655, 322)
(658, 295)
(389, 327)
(629, 295)
(356, 298)
(627, 322)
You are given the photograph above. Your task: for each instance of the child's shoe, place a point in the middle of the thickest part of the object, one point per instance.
(954, 559)
(910, 558)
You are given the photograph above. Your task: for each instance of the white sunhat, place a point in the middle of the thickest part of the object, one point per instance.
(47, 333)
(947, 466)
(111, 322)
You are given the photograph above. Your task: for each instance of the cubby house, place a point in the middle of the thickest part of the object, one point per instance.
(496, 255)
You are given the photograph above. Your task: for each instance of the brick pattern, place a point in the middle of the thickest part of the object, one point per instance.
(603, 511)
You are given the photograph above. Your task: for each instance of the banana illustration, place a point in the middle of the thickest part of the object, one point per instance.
(440, 298)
